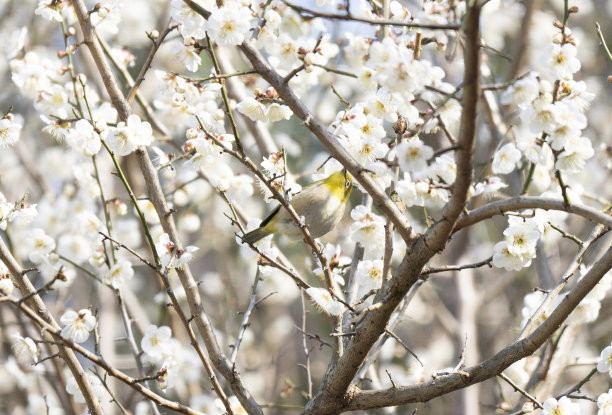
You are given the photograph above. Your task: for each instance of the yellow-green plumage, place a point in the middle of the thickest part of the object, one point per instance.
(321, 204)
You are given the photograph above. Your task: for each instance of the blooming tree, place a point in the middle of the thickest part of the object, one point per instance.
(141, 140)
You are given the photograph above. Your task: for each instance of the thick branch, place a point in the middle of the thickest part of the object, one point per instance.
(334, 392)
(529, 202)
(438, 235)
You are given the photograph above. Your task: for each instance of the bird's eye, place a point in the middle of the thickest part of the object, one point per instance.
(347, 184)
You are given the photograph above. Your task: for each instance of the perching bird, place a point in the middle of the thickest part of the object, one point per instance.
(320, 203)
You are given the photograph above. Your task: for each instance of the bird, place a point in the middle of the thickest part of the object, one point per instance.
(321, 204)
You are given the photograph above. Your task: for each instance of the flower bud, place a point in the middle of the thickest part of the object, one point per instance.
(400, 125)
(191, 133)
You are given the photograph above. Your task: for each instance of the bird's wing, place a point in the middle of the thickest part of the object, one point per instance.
(269, 217)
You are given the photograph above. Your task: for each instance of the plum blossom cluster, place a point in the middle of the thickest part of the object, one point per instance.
(264, 107)
(519, 246)
(552, 108)
(194, 110)
(170, 358)
(227, 26)
(586, 312)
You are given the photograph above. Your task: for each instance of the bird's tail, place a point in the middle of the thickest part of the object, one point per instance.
(254, 236)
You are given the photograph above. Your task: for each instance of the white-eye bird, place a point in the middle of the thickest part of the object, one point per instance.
(320, 203)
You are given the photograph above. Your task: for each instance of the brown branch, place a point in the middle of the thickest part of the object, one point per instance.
(520, 390)
(433, 270)
(438, 235)
(528, 202)
(381, 22)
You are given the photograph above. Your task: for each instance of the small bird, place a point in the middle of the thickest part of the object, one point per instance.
(320, 203)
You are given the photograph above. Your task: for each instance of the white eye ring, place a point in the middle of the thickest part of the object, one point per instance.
(347, 184)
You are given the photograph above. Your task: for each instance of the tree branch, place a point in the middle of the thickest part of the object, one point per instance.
(530, 202)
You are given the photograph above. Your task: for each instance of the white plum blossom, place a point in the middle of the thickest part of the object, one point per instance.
(168, 373)
(165, 249)
(6, 284)
(38, 244)
(72, 387)
(506, 159)
(413, 154)
(577, 151)
(277, 112)
(187, 54)
(489, 186)
(531, 303)
(50, 10)
(522, 92)
(541, 116)
(522, 238)
(10, 129)
(604, 403)
(184, 256)
(369, 275)
(74, 246)
(205, 404)
(23, 214)
(367, 228)
(605, 361)
(563, 406)
(586, 311)
(107, 16)
(191, 23)
(253, 109)
(77, 325)
(407, 191)
(156, 342)
(229, 24)
(126, 137)
(561, 61)
(450, 112)
(25, 346)
(84, 138)
(503, 258)
(118, 274)
(325, 302)
(54, 100)
(443, 168)
(336, 260)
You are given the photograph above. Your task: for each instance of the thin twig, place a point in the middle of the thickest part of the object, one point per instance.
(147, 63)
(382, 22)
(433, 270)
(520, 390)
(400, 341)
(245, 318)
